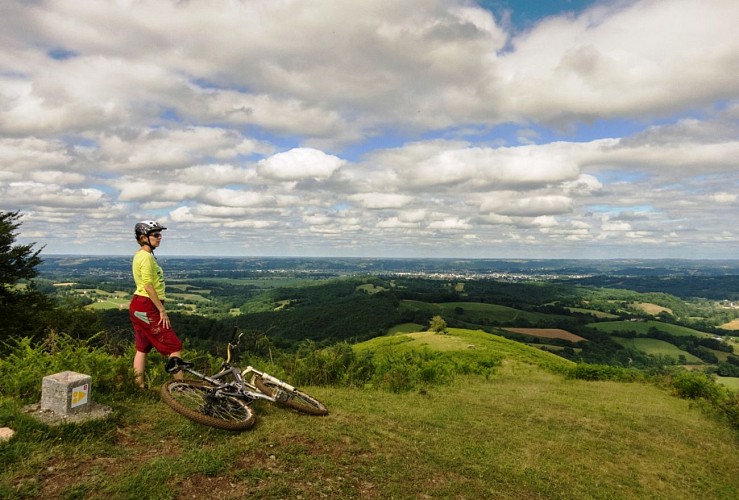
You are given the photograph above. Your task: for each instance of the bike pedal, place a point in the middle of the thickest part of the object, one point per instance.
(175, 364)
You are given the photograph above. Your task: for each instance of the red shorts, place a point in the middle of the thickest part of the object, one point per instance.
(145, 318)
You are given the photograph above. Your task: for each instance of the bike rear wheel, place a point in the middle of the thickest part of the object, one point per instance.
(292, 398)
(197, 402)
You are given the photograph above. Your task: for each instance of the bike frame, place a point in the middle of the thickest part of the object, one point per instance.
(239, 387)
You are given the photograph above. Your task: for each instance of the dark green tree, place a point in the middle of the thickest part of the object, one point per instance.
(17, 262)
(21, 308)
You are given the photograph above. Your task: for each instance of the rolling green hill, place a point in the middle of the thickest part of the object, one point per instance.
(465, 344)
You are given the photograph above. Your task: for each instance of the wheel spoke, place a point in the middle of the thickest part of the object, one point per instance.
(200, 403)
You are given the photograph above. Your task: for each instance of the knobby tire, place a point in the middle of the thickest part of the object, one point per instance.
(193, 400)
(295, 399)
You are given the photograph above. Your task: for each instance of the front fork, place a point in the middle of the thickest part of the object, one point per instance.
(282, 388)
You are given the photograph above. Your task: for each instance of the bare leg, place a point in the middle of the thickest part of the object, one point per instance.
(139, 365)
(180, 374)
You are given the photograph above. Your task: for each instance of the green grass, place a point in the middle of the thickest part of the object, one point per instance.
(657, 347)
(466, 344)
(526, 433)
(730, 382)
(110, 303)
(522, 431)
(188, 296)
(103, 299)
(642, 327)
(406, 328)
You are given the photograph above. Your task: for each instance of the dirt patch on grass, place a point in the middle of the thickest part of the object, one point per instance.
(202, 486)
(731, 325)
(59, 475)
(131, 449)
(439, 342)
(652, 309)
(547, 333)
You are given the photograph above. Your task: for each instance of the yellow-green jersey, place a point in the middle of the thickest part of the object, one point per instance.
(146, 271)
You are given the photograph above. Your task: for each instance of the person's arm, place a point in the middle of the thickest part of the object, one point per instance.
(163, 317)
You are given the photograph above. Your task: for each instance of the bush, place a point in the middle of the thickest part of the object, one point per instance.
(726, 369)
(337, 365)
(408, 370)
(394, 372)
(26, 364)
(695, 385)
(730, 408)
(701, 387)
(585, 371)
(438, 325)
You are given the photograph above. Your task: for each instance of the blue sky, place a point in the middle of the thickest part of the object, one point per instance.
(423, 128)
(525, 14)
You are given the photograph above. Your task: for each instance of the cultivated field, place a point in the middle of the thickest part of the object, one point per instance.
(657, 347)
(596, 313)
(642, 327)
(652, 309)
(547, 333)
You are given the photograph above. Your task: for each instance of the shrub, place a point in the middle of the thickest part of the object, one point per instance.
(695, 385)
(337, 364)
(585, 371)
(703, 388)
(405, 371)
(392, 371)
(26, 364)
(730, 408)
(438, 325)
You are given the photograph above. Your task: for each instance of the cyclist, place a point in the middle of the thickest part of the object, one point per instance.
(149, 317)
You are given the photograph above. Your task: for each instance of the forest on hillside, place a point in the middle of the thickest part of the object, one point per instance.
(358, 308)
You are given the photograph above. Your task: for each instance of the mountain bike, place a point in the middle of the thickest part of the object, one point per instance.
(223, 400)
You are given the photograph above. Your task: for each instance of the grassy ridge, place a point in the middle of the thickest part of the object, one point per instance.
(525, 434)
(474, 344)
(524, 431)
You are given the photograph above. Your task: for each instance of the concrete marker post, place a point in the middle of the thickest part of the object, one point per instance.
(66, 398)
(66, 393)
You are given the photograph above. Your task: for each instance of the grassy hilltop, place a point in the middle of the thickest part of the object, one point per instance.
(514, 426)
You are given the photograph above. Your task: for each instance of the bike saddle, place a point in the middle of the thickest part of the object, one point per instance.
(175, 364)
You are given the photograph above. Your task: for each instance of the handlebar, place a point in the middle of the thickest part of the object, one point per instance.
(232, 343)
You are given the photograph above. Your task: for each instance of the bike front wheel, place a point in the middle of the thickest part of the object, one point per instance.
(287, 396)
(199, 403)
